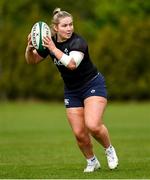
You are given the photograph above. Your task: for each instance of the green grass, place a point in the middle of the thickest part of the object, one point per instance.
(36, 142)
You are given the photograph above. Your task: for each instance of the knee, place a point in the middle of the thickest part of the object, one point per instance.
(96, 129)
(80, 135)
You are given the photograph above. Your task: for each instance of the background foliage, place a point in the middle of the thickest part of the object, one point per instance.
(118, 34)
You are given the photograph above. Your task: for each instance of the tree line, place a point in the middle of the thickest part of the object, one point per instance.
(118, 34)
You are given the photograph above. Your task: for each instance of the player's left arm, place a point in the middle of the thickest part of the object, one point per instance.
(71, 61)
(75, 58)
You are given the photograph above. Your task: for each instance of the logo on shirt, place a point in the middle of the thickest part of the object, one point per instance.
(58, 63)
(66, 51)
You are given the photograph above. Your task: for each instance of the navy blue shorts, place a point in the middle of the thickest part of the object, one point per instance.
(95, 87)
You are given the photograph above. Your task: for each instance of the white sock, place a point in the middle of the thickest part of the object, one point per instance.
(107, 149)
(92, 160)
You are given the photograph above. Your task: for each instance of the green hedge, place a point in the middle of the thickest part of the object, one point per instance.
(118, 34)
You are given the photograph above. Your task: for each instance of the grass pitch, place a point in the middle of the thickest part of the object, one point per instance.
(36, 142)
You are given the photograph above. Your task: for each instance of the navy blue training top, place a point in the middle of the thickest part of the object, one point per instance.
(76, 78)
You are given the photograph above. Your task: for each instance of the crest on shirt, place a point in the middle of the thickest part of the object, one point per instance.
(66, 51)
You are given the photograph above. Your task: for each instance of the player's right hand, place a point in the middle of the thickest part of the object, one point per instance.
(30, 46)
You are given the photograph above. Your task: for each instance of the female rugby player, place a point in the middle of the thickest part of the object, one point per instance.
(84, 87)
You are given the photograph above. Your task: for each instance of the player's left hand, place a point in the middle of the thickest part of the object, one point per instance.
(48, 43)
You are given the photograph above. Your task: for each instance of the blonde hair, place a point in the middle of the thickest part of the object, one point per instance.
(57, 15)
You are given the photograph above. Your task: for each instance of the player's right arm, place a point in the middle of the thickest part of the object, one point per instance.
(31, 55)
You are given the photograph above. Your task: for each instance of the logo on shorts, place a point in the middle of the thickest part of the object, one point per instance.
(93, 91)
(66, 101)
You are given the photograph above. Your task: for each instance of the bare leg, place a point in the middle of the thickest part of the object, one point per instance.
(76, 120)
(93, 113)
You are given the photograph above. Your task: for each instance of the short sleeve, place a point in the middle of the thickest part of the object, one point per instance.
(44, 53)
(78, 44)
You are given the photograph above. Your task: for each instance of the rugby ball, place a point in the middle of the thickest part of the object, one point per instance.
(38, 31)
